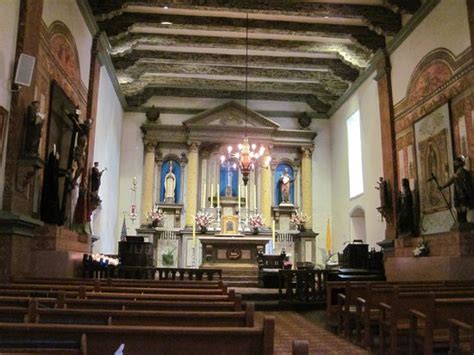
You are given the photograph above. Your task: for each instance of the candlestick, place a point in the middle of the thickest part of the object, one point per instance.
(212, 195)
(194, 232)
(218, 195)
(255, 197)
(238, 196)
(203, 196)
(273, 233)
(246, 187)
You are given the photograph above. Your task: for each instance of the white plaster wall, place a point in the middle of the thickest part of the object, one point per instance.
(366, 100)
(445, 27)
(322, 185)
(108, 137)
(68, 12)
(131, 165)
(9, 14)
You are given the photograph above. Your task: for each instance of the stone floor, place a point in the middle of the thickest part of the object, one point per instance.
(310, 326)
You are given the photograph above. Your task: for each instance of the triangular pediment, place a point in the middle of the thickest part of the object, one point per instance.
(230, 114)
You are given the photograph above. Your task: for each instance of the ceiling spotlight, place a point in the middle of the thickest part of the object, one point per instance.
(166, 7)
(166, 23)
(326, 16)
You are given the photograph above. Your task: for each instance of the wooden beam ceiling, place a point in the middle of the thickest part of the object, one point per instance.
(298, 51)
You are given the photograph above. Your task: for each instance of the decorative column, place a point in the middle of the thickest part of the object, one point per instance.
(148, 179)
(306, 182)
(266, 191)
(192, 183)
(389, 155)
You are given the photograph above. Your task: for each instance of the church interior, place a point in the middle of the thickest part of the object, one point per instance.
(237, 177)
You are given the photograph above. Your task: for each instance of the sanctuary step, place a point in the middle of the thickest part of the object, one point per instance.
(242, 277)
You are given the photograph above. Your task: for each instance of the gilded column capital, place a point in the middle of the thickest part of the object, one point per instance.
(193, 146)
(149, 146)
(307, 152)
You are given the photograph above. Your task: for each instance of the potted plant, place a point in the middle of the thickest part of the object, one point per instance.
(203, 221)
(156, 216)
(167, 257)
(422, 249)
(256, 222)
(299, 219)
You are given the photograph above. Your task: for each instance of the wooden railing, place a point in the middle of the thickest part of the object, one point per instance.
(165, 273)
(302, 286)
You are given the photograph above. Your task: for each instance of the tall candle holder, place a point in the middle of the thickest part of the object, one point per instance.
(218, 219)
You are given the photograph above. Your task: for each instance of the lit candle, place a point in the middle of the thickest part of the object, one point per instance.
(238, 196)
(218, 195)
(212, 195)
(255, 197)
(273, 233)
(203, 196)
(194, 232)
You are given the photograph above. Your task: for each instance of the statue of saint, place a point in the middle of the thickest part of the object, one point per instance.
(34, 124)
(406, 219)
(285, 186)
(170, 185)
(96, 176)
(463, 194)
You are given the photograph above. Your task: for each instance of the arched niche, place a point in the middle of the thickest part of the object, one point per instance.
(358, 229)
(177, 172)
(282, 165)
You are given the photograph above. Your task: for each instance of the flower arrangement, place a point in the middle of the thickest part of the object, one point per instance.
(256, 221)
(156, 216)
(423, 249)
(167, 257)
(203, 220)
(299, 219)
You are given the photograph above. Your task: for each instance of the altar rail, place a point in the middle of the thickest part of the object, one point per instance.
(166, 273)
(302, 286)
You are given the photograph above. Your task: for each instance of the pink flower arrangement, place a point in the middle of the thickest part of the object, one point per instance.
(156, 216)
(203, 220)
(256, 221)
(299, 218)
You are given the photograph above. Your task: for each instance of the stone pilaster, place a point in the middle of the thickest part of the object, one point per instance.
(191, 186)
(266, 191)
(148, 179)
(306, 182)
(389, 156)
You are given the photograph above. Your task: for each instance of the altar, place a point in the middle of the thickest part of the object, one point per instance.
(232, 251)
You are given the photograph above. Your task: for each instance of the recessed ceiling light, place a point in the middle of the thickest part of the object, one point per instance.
(166, 23)
(326, 16)
(166, 7)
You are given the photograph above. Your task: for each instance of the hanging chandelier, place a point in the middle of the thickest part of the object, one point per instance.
(246, 155)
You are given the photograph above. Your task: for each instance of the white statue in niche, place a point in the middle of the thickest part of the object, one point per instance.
(170, 185)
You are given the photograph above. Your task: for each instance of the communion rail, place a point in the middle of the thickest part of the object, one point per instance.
(302, 286)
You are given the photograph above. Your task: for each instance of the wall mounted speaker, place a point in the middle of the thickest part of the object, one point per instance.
(24, 70)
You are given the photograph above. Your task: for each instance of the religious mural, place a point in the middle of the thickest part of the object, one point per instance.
(434, 163)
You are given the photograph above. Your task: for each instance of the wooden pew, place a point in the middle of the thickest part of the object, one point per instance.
(34, 314)
(10, 288)
(456, 346)
(121, 282)
(150, 340)
(430, 330)
(171, 305)
(394, 319)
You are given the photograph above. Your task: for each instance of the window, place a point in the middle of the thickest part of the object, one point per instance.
(356, 179)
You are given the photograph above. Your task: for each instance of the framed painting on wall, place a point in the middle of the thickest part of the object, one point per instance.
(3, 129)
(434, 161)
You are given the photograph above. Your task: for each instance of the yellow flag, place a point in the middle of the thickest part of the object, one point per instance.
(328, 237)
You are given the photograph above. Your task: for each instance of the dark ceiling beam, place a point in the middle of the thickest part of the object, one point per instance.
(324, 77)
(142, 98)
(404, 6)
(349, 53)
(336, 66)
(237, 86)
(360, 35)
(378, 18)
